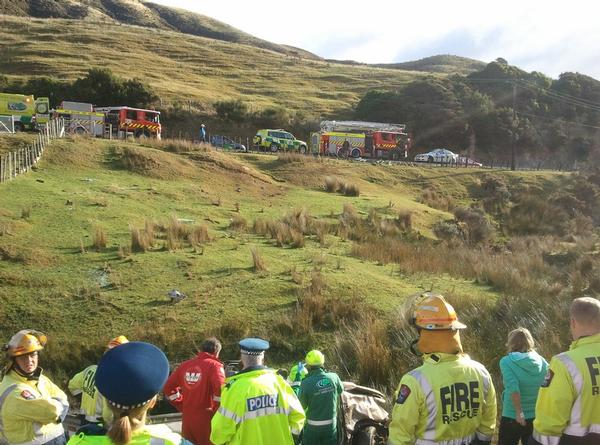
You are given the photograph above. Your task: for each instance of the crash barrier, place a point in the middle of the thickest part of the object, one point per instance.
(17, 162)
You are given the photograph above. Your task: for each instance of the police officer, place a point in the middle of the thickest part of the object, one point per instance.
(450, 399)
(130, 377)
(93, 404)
(257, 406)
(31, 406)
(568, 405)
(320, 393)
(194, 389)
(297, 374)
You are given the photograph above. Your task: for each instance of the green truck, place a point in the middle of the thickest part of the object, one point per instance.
(27, 112)
(275, 140)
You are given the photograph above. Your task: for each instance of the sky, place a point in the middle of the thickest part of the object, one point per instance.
(547, 36)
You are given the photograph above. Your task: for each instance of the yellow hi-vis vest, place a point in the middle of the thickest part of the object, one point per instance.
(93, 405)
(257, 408)
(31, 410)
(148, 435)
(569, 398)
(449, 400)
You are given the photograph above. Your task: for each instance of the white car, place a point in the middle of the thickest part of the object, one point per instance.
(439, 155)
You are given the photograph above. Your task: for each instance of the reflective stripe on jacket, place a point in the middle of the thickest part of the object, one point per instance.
(257, 408)
(31, 410)
(450, 400)
(297, 374)
(93, 405)
(320, 395)
(149, 435)
(569, 399)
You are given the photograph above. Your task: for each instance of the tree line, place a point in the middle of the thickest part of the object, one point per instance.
(485, 113)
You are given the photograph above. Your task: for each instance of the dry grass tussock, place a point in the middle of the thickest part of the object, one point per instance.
(291, 157)
(238, 223)
(290, 230)
(258, 261)
(99, 238)
(26, 255)
(334, 184)
(435, 199)
(140, 240)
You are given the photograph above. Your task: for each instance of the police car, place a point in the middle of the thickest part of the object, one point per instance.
(439, 155)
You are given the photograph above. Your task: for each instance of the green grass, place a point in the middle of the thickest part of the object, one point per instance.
(183, 68)
(52, 279)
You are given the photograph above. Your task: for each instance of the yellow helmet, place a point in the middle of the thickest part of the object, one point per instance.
(120, 340)
(434, 313)
(25, 342)
(315, 358)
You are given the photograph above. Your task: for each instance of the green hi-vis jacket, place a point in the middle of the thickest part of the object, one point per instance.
(320, 395)
(297, 374)
(257, 408)
(569, 399)
(148, 435)
(449, 399)
(31, 409)
(93, 405)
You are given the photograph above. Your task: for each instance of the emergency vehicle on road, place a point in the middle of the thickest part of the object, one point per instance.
(136, 121)
(27, 112)
(359, 139)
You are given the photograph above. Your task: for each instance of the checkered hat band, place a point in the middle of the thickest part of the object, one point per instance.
(118, 405)
(244, 351)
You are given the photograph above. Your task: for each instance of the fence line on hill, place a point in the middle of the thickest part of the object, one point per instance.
(17, 162)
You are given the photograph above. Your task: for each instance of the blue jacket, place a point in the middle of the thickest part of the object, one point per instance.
(522, 372)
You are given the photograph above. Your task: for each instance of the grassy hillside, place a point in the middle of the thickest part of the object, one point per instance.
(184, 68)
(139, 13)
(447, 64)
(69, 230)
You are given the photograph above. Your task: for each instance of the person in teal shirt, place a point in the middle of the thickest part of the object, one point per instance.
(319, 395)
(523, 371)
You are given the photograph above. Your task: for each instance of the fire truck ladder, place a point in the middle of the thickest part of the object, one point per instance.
(361, 126)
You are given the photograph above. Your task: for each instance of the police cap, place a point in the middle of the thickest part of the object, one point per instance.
(253, 346)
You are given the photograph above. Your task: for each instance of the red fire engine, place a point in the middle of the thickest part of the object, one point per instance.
(361, 139)
(136, 121)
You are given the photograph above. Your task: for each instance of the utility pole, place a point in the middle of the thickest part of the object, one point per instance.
(514, 128)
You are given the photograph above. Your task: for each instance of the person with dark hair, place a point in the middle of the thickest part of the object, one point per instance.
(31, 406)
(523, 372)
(130, 377)
(194, 389)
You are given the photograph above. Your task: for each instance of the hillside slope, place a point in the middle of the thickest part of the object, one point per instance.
(447, 64)
(183, 68)
(54, 279)
(141, 13)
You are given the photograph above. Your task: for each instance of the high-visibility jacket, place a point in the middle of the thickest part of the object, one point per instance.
(194, 389)
(31, 409)
(569, 399)
(297, 374)
(93, 404)
(449, 400)
(257, 407)
(149, 435)
(320, 396)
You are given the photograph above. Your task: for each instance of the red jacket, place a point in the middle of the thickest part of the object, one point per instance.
(194, 389)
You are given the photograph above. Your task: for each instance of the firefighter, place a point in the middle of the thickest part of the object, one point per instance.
(31, 406)
(257, 406)
(93, 405)
(320, 393)
(568, 405)
(297, 374)
(450, 399)
(130, 377)
(194, 389)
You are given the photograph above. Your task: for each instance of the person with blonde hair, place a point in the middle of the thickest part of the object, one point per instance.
(130, 377)
(523, 371)
(568, 405)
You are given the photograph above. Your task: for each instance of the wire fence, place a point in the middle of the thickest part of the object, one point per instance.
(17, 162)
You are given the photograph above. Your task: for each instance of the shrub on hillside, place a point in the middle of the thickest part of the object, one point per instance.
(350, 189)
(479, 228)
(332, 184)
(435, 199)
